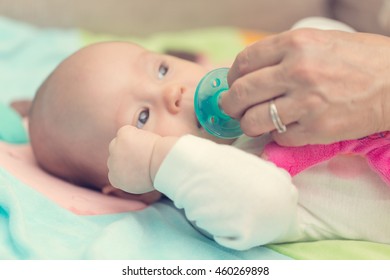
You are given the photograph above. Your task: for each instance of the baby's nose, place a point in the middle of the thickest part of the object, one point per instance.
(172, 98)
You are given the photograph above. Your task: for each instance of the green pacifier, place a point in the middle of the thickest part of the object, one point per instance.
(207, 109)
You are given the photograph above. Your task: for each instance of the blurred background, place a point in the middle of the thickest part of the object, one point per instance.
(142, 17)
(36, 35)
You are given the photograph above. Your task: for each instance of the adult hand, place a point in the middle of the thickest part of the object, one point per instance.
(327, 86)
(135, 157)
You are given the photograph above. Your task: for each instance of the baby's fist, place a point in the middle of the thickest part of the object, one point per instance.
(130, 158)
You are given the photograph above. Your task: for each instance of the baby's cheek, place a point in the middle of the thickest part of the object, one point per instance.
(347, 166)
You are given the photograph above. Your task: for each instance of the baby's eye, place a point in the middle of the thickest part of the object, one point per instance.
(162, 70)
(143, 118)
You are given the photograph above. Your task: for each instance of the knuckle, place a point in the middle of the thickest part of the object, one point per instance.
(305, 72)
(121, 131)
(302, 66)
(111, 145)
(300, 38)
(279, 75)
(250, 123)
(309, 105)
(124, 131)
(239, 90)
(242, 63)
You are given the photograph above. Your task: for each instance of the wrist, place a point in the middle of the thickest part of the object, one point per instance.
(160, 150)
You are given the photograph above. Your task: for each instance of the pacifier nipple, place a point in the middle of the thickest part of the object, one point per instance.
(207, 109)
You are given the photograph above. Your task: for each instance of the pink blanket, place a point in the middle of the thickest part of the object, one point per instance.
(19, 161)
(375, 149)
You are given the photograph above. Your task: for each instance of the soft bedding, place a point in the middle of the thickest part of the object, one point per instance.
(42, 217)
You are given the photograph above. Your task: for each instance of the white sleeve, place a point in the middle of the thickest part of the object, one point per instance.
(240, 199)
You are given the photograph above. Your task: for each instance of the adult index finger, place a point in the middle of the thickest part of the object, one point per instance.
(263, 53)
(254, 88)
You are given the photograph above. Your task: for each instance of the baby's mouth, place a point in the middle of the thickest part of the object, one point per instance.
(198, 123)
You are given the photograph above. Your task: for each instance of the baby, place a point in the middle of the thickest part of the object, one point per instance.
(79, 108)
(224, 186)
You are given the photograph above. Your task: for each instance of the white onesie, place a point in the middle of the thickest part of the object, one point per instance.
(244, 201)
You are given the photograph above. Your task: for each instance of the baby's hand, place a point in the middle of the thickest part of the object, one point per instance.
(129, 160)
(135, 157)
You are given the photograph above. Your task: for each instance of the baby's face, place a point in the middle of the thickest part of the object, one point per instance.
(150, 91)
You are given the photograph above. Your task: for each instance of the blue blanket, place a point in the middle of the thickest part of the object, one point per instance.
(28, 54)
(33, 227)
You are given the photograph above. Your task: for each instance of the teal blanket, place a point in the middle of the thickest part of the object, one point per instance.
(28, 54)
(33, 227)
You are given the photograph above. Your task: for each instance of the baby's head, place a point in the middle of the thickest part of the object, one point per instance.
(90, 95)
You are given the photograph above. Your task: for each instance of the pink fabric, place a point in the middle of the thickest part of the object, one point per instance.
(19, 161)
(375, 149)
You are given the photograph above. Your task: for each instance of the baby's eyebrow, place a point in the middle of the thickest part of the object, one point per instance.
(183, 55)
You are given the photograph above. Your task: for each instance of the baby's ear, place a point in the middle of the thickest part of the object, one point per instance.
(108, 189)
(22, 107)
(147, 198)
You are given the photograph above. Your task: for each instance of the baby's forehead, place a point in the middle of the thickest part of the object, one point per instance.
(95, 75)
(115, 49)
(106, 57)
(101, 73)
(99, 62)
